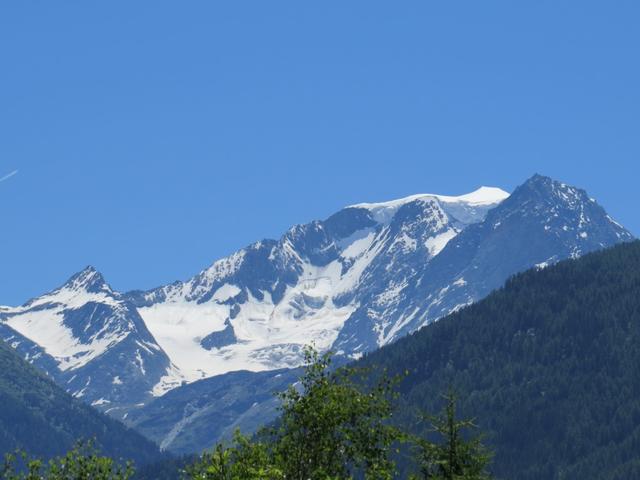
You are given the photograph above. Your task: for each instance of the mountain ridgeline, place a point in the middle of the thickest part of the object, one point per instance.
(365, 277)
(548, 365)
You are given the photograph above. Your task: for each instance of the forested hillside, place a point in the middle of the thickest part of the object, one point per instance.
(40, 418)
(549, 366)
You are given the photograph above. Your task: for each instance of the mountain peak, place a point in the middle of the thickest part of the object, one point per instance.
(547, 183)
(566, 213)
(89, 270)
(550, 189)
(88, 279)
(536, 177)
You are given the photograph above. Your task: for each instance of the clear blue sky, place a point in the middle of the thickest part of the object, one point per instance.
(152, 138)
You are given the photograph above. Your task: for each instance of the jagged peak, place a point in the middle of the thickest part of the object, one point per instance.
(545, 182)
(89, 279)
(544, 196)
(537, 177)
(550, 189)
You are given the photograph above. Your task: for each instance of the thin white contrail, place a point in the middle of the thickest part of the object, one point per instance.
(8, 176)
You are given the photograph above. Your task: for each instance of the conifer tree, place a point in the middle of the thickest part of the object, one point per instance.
(453, 457)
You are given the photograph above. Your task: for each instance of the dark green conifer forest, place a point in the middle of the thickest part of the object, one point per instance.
(549, 366)
(39, 417)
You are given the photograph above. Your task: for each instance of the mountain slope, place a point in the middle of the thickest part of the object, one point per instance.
(36, 415)
(194, 417)
(548, 365)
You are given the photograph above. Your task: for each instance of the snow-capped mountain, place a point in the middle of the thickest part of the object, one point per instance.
(358, 280)
(256, 309)
(540, 223)
(89, 339)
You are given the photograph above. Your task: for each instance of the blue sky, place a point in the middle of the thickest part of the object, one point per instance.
(151, 138)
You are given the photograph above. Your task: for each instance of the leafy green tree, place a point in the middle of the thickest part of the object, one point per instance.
(330, 428)
(247, 460)
(81, 463)
(454, 457)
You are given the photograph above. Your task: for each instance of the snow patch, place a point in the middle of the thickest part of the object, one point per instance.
(437, 243)
(270, 335)
(225, 292)
(45, 327)
(356, 244)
